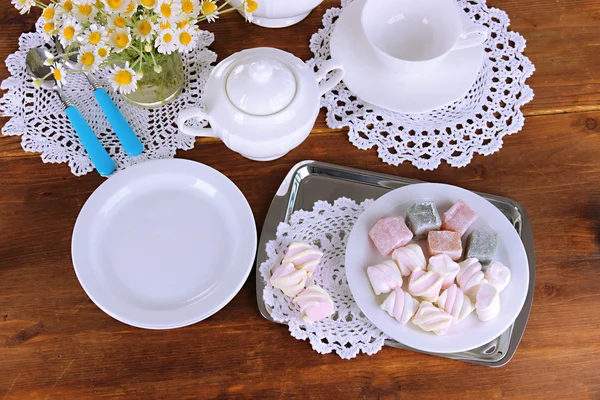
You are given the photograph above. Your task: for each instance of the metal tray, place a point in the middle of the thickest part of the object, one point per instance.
(310, 181)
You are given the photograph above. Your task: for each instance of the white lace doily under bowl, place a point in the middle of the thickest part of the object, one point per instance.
(473, 124)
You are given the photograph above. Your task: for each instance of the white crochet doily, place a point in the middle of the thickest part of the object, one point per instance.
(38, 116)
(327, 227)
(475, 124)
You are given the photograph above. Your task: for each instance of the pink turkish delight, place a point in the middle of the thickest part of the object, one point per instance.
(390, 233)
(459, 218)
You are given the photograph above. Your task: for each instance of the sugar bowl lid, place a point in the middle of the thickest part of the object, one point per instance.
(261, 85)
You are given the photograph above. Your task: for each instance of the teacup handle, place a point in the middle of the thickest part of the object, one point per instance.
(189, 113)
(472, 34)
(327, 67)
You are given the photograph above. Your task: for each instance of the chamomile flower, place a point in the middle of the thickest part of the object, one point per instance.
(123, 79)
(88, 58)
(117, 21)
(131, 8)
(85, 2)
(65, 7)
(50, 29)
(59, 73)
(143, 30)
(165, 25)
(249, 6)
(168, 10)
(209, 10)
(165, 42)
(96, 35)
(49, 12)
(84, 12)
(183, 23)
(102, 52)
(68, 31)
(186, 39)
(115, 6)
(191, 8)
(148, 3)
(120, 39)
(23, 5)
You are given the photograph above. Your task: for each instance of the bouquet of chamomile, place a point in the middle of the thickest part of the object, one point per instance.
(132, 37)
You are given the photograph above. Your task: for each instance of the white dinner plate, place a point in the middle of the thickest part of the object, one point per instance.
(164, 244)
(470, 332)
(368, 79)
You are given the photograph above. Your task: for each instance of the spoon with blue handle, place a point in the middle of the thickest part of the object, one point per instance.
(131, 143)
(34, 62)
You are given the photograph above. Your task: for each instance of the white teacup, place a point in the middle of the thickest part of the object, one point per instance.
(410, 36)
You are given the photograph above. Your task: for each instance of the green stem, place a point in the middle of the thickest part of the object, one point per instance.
(224, 4)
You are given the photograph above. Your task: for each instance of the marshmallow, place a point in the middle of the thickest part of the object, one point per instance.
(498, 275)
(400, 305)
(290, 280)
(444, 267)
(384, 277)
(425, 284)
(470, 277)
(389, 234)
(444, 242)
(455, 303)
(409, 258)
(487, 304)
(432, 319)
(303, 256)
(315, 304)
(459, 218)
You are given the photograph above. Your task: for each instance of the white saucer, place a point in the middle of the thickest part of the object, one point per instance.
(368, 79)
(164, 244)
(470, 332)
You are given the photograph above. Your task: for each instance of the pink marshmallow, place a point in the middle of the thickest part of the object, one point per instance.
(389, 234)
(459, 218)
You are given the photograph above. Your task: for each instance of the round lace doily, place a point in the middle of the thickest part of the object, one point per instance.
(38, 116)
(475, 124)
(327, 227)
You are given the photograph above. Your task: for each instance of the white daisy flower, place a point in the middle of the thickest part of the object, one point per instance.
(68, 31)
(209, 10)
(168, 10)
(190, 7)
(120, 39)
(50, 29)
(131, 8)
(23, 5)
(65, 7)
(59, 73)
(186, 39)
(165, 42)
(88, 58)
(249, 6)
(123, 79)
(144, 30)
(49, 12)
(102, 52)
(85, 2)
(148, 3)
(85, 12)
(96, 35)
(116, 21)
(115, 6)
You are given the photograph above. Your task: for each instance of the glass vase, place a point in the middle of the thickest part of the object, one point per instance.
(156, 89)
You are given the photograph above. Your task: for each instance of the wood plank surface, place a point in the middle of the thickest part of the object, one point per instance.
(55, 343)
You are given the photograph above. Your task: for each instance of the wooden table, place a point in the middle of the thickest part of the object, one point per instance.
(55, 343)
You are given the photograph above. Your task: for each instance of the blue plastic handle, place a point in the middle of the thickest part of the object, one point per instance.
(126, 135)
(100, 158)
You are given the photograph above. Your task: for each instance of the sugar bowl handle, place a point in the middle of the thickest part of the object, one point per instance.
(327, 67)
(194, 113)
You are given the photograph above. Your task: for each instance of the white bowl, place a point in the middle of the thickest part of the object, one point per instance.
(469, 333)
(280, 13)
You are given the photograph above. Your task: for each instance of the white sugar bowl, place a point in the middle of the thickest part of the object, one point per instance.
(261, 102)
(280, 13)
